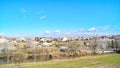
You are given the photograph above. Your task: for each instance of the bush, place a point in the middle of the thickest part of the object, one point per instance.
(18, 57)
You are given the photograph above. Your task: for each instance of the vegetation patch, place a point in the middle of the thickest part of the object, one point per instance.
(111, 61)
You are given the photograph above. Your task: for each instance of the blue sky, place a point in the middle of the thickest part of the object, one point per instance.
(36, 17)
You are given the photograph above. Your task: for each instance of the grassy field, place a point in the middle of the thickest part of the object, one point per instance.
(99, 61)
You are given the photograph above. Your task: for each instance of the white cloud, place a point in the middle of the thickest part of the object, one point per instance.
(42, 17)
(57, 31)
(2, 33)
(88, 33)
(92, 29)
(81, 29)
(103, 27)
(68, 33)
(23, 10)
(47, 32)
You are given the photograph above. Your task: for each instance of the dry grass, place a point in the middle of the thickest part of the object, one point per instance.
(99, 61)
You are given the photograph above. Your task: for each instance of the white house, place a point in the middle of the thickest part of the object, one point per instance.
(2, 40)
(65, 39)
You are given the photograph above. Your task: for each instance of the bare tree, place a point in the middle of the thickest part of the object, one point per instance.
(94, 45)
(5, 50)
(104, 43)
(116, 44)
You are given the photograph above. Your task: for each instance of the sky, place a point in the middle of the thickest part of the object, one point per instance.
(59, 17)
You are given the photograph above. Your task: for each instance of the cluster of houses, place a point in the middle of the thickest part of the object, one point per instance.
(8, 44)
(22, 43)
